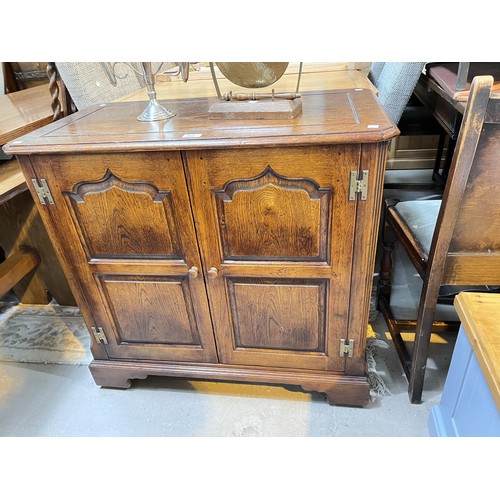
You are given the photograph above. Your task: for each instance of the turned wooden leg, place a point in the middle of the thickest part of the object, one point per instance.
(388, 242)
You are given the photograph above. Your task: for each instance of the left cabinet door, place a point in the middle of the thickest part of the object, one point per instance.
(123, 226)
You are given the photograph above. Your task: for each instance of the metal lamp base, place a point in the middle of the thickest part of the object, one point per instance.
(155, 112)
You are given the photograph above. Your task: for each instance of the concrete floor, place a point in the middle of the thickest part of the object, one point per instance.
(62, 400)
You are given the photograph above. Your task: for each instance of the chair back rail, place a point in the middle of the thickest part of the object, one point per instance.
(473, 255)
(460, 200)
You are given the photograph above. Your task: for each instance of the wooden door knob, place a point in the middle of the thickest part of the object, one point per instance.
(193, 272)
(212, 273)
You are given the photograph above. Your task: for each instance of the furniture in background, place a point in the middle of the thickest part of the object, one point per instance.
(315, 76)
(23, 75)
(443, 88)
(396, 82)
(470, 403)
(453, 242)
(78, 85)
(31, 267)
(216, 249)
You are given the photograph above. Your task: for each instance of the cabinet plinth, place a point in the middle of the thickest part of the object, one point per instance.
(241, 255)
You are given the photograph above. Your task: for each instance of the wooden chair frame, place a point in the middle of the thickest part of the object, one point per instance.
(61, 103)
(471, 266)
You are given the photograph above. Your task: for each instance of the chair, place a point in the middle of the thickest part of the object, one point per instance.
(453, 243)
(78, 85)
(443, 88)
(395, 82)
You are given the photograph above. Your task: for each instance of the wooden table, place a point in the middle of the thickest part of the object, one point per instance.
(470, 404)
(24, 111)
(20, 113)
(314, 77)
(31, 267)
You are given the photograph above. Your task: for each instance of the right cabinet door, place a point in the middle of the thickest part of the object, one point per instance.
(276, 231)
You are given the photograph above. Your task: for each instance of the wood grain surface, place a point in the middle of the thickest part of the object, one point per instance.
(24, 111)
(332, 117)
(315, 76)
(223, 250)
(480, 317)
(12, 181)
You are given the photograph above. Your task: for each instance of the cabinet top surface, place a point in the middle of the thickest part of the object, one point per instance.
(480, 317)
(328, 117)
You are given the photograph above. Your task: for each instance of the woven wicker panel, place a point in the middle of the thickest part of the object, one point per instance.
(88, 84)
(395, 83)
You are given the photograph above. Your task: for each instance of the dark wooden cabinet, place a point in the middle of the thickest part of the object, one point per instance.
(244, 255)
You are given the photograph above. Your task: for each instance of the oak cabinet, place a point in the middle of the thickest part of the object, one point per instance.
(216, 259)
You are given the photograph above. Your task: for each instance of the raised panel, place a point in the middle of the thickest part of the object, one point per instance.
(283, 314)
(124, 219)
(272, 217)
(151, 309)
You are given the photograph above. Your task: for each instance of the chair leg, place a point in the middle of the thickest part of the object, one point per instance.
(395, 331)
(388, 243)
(439, 156)
(423, 332)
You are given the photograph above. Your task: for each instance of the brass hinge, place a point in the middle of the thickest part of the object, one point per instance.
(99, 335)
(346, 348)
(43, 191)
(358, 185)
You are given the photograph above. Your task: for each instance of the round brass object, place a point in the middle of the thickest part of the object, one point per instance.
(252, 75)
(212, 273)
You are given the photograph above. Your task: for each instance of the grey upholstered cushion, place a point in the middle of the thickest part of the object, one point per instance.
(406, 287)
(421, 217)
(395, 82)
(88, 84)
(375, 70)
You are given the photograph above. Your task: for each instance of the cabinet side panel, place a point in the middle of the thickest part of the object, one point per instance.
(365, 244)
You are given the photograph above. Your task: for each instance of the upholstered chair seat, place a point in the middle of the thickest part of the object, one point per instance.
(420, 218)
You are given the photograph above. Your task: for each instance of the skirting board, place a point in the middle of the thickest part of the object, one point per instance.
(339, 389)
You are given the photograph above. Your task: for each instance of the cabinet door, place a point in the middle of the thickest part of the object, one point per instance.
(124, 227)
(276, 233)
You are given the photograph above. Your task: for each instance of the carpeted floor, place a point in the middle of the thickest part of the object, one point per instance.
(43, 334)
(57, 334)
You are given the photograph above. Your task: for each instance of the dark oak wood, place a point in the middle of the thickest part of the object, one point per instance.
(121, 244)
(339, 388)
(228, 255)
(331, 117)
(465, 248)
(61, 102)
